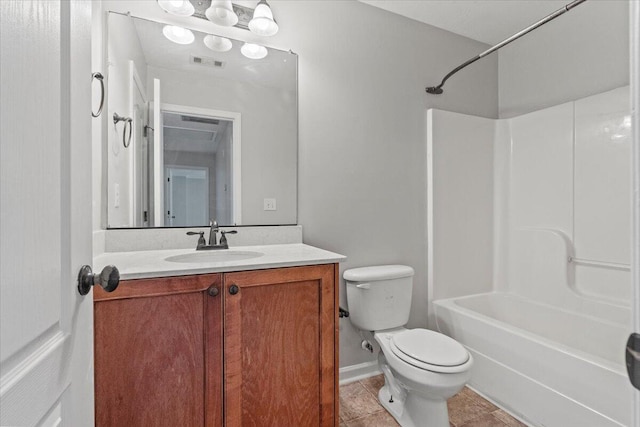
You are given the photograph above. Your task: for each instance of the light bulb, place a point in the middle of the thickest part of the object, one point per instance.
(221, 12)
(253, 51)
(263, 23)
(178, 34)
(177, 7)
(217, 43)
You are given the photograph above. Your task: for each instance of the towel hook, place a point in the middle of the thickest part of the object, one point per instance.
(126, 141)
(100, 78)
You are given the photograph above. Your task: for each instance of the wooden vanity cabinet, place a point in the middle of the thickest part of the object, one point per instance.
(158, 352)
(260, 352)
(279, 347)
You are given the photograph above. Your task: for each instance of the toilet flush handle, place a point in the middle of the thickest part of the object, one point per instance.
(364, 286)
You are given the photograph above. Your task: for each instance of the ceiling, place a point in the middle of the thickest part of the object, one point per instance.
(488, 21)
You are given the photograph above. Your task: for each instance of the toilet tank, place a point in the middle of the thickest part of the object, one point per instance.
(379, 297)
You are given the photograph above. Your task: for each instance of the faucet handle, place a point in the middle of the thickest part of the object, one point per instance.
(223, 238)
(201, 241)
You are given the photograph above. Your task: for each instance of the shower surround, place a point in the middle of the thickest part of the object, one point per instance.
(529, 251)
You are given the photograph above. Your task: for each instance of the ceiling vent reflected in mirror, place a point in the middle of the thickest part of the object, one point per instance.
(191, 133)
(186, 139)
(195, 119)
(208, 62)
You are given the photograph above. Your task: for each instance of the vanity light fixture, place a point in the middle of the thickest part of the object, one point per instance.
(263, 23)
(217, 43)
(177, 7)
(253, 51)
(221, 12)
(178, 34)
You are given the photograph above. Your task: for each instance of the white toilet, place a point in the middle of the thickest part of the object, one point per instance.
(422, 368)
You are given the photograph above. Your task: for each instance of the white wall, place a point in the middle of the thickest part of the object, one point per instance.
(123, 46)
(581, 53)
(460, 204)
(362, 158)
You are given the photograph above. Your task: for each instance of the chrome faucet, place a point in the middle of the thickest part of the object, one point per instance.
(213, 232)
(213, 237)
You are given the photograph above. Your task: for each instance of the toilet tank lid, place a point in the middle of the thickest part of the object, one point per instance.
(378, 272)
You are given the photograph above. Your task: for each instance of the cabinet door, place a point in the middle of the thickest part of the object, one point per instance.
(279, 341)
(151, 366)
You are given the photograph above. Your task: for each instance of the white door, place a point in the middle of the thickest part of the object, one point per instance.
(156, 192)
(46, 327)
(187, 196)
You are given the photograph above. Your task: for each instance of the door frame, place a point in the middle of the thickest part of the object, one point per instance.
(135, 187)
(236, 147)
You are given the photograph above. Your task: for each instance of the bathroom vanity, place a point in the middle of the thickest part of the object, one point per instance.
(235, 341)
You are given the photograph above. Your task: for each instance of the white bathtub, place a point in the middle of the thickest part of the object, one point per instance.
(549, 366)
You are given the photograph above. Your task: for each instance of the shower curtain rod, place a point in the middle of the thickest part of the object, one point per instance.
(437, 90)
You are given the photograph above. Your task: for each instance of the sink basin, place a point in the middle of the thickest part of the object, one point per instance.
(214, 256)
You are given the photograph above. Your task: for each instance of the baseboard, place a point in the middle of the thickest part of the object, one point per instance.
(353, 373)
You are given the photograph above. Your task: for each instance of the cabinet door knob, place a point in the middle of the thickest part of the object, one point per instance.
(213, 290)
(233, 289)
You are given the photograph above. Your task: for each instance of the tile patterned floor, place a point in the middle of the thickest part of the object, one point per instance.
(359, 407)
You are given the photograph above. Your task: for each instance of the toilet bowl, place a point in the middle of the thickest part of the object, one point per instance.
(425, 385)
(422, 368)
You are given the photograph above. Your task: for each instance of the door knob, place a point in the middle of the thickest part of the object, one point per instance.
(213, 291)
(108, 279)
(233, 289)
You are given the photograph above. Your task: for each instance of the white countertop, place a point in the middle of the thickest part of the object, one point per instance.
(145, 264)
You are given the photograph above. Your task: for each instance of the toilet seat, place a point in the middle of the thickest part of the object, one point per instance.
(429, 350)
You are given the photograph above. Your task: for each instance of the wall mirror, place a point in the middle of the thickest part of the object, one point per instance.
(197, 132)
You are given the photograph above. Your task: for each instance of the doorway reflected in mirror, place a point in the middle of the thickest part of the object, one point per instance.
(197, 168)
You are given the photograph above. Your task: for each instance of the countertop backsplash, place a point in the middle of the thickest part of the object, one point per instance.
(127, 240)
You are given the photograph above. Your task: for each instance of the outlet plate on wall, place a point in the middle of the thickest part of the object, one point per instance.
(269, 204)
